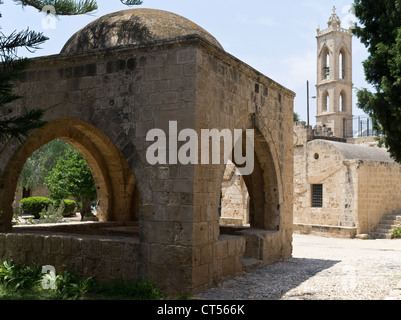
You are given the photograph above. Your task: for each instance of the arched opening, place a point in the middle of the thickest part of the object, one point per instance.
(234, 202)
(55, 178)
(115, 183)
(325, 62)
(258, 193)
(325, 101)
(255, 196)
(342, 64)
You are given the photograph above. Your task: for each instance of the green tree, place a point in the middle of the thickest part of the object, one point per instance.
(12, 66)
(72, 177)
(380, 32)
(42, 161)
(297, 117)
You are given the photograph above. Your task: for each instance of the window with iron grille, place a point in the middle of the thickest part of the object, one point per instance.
(317, 196)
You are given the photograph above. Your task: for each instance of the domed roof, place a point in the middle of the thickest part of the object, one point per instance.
(356, 152)
(131, 27)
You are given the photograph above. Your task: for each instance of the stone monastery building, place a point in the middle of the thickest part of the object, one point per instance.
(116, 79)
(344, 185)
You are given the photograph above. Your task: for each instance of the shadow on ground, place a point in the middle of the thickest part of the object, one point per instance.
(269, 283)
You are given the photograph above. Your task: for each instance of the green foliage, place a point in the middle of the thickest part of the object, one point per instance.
(397, 233)
(62, 7)
(35, 205)
(40, 163)
(69, 206)
(380, 31)
(18, 281)
(297, 117)
(131, 2)
(69, 285)
(12, 67)
(53, 214)
(19, 276)
(138, 290)
(47, 209)
(71, 177)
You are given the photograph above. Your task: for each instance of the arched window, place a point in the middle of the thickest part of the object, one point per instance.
(327, 68)
(325, 63)
(341, 64)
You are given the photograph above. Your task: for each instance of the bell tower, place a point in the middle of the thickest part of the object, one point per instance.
(334, 76)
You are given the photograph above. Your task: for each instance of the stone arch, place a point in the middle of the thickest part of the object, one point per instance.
(264, 185)
(324, 57)
(342, 64)
(113, 175)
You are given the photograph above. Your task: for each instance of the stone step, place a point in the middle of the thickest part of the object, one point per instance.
(386, 226)
(391, 219)
(381, 235)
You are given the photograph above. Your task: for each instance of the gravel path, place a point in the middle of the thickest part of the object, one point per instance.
(322, 269)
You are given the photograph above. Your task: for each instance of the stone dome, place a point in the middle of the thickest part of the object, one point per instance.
(133, 27)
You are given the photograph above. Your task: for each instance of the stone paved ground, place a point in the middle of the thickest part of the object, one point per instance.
(322, 269)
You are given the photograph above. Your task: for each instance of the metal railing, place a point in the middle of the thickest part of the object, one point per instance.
(358, 127)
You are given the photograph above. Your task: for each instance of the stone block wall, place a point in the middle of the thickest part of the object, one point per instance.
(319, 162)
(105, 102)
(232, 95)
(234, 198)
(356, 193)
(91, 256)
(379, 192)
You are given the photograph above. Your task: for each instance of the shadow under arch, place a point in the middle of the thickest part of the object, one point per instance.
(264, 183)
(114, 179)
(264, 202)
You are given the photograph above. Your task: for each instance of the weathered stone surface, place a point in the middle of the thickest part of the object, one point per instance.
(105, 106)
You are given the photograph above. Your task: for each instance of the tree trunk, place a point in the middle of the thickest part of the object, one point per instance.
(86, 207)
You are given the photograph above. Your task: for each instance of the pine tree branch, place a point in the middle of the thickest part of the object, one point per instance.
(27, 39)
(62, 7)
(131, 2)
(22, 126)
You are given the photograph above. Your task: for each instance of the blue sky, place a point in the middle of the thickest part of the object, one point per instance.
(276, 38)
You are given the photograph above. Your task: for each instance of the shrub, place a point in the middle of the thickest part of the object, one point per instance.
(19, 277)
(397, 233)
(53, 214)
(35, 205)
(69, 206)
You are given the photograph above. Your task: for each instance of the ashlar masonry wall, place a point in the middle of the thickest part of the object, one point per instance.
(356, 193)
(105, 102)
(379, 191)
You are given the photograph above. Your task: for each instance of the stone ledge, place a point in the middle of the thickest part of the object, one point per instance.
(325, 231)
